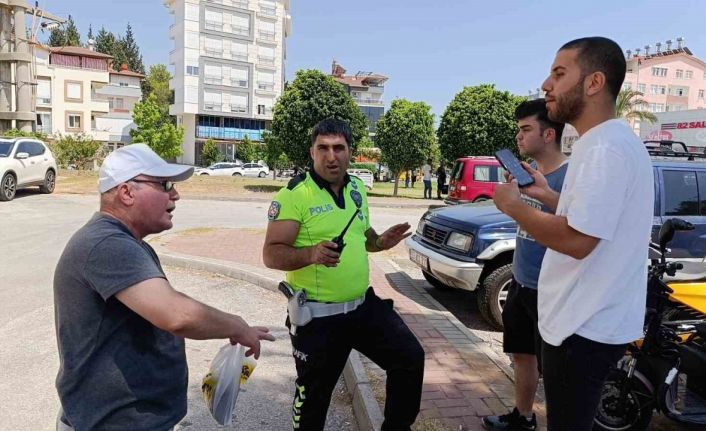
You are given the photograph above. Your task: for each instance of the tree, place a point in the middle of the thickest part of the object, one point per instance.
(90, 34)
(628, 106)
(478, 122)
(132, 52)
(312, 97)
(107, 43)
(210, 153)
(405, 135)
(161, 135)
(273, 154)
(79, 151)
(157, 83)
(247, 150)
(68, 36)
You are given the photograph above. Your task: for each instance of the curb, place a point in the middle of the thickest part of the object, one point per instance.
(365, 408)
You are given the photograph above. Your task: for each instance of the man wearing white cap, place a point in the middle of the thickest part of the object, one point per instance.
(120, 325)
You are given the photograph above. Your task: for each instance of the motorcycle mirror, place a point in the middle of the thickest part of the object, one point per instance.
(666, 234)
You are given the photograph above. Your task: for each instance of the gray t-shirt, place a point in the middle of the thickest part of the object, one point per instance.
(118, 371)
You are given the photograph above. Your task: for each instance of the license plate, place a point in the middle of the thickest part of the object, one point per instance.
(419, 259)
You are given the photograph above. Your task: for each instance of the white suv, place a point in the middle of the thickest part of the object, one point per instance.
(25, 162)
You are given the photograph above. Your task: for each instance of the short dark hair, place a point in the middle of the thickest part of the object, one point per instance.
(538, 107)
(332, 126)
(600, 54)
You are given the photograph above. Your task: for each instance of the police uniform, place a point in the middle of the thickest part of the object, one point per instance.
(321, 347)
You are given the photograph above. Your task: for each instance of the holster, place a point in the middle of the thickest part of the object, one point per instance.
(299, 311)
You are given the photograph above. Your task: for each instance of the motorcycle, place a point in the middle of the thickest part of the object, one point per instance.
(666, 370)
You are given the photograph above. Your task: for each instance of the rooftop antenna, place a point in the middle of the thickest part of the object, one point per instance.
(669, 44)
(647, 50)
(680, 42)
(658, 46)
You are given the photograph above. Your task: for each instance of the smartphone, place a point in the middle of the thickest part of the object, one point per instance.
(512, 165)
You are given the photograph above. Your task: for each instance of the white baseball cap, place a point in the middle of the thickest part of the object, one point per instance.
(130, 161)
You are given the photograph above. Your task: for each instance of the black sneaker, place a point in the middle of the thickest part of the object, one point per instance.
(511, 421)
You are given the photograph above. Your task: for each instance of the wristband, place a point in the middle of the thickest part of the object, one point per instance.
(377, 245)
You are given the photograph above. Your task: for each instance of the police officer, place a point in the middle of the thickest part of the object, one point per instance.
(331, 281)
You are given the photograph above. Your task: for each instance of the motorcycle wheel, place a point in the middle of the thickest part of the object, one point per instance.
(635, 415)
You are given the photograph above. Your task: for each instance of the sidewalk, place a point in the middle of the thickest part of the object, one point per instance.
(464, 379)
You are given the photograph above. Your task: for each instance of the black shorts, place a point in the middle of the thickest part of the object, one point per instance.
(520, 319)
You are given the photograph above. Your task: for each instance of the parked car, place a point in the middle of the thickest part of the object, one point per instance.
(365, 175)
(471, 246)
(473, 179)
(25, 162)
(255, 170)
(221, 169)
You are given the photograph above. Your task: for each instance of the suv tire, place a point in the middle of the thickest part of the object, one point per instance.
(262, 174)
(435, 282)
(492, 293)
(8, 187)
(237, 174)
(49, 182)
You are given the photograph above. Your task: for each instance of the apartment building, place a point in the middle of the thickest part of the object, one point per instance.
(367, 90)
(78, 92)
(228, 67)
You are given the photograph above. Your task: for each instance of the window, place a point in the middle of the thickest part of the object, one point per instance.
(627, 86)
(116, 103)
(31, 148)
(679, 91)
(192, 12)
(689, 74)
(239, 51)
(681, 195)
(238, 77)
(658, 89)
(192, 40)
(656, 107)
(73, 121)
(238, 103)
(44, 122)
(680, 74)
(73, 91)
(701, 94)
(267, 30)
(43, 92)
(641, 88)
(191, 94)
(212, 74)
(192, 70)
(702, 191)
(240, 24)
(481, 173)
(211, 101)
(214, 20)
(261, 109)
(659, 71)
(214, 47)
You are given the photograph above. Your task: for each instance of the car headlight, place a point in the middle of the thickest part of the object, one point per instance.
(420, 226)
(459, 241)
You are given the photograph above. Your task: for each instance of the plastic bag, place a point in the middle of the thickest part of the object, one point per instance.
(225, 380)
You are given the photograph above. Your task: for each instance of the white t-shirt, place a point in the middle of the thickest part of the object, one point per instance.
(426, 169)
(608, 193)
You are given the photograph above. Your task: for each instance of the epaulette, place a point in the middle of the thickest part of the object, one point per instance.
(296, 180)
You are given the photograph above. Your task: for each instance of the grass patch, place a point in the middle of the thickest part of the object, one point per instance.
(432, 424)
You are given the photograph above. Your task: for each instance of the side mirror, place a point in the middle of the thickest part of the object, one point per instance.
(21, 156)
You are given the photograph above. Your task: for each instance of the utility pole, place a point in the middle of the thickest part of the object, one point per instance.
(16, 72)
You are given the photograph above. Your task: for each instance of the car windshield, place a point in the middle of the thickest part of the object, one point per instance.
(6, 148)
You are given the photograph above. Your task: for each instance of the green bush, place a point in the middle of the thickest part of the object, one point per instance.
(78, 151)
(372, 167)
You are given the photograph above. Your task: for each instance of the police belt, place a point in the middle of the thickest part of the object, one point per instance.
(301, 311)
(321, 309)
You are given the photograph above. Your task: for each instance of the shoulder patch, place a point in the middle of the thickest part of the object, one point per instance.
(296, 181)
(273, 212)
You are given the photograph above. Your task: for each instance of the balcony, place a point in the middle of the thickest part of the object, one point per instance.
(239, 56)
(213, 52)
(267, 35)
(369, 101)
(267, 111)
(43, 101)
(213, 80)
(268, 11)
(239, 108)
(240, 30)
(242, 4)
(266, 60)
(239, 83)
(233, 133)
(214, 26)
(211, 106)
(265, 86)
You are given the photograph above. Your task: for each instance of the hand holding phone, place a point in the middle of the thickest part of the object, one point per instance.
(510, 163)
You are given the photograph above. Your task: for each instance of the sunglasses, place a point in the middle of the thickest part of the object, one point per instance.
(167, 185)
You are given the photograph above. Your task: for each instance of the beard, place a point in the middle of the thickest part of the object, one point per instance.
(569, 106)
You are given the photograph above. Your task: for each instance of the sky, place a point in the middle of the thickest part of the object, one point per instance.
(429, 49)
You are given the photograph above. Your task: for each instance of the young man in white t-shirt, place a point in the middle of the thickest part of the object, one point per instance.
(593, 280)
